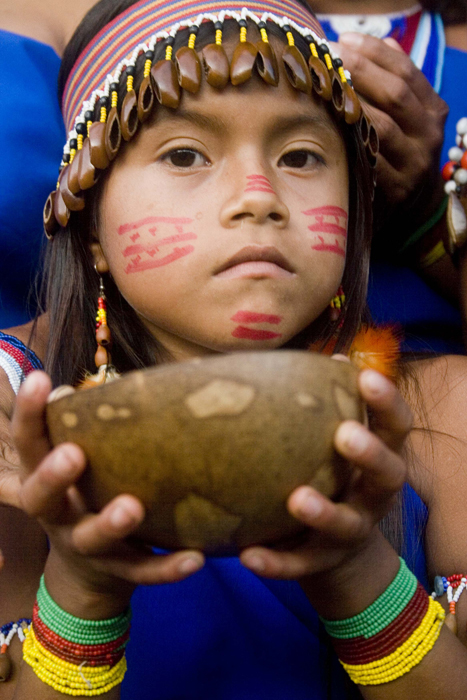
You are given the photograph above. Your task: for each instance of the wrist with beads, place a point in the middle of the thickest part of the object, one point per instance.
(392, 635)
(75, 656)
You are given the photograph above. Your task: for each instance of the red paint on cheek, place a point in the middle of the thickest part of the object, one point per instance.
(254, 334)
(258, 183)
(174, 220)
(328, 219)
(329, 247)
(253, 317)
(145, 255)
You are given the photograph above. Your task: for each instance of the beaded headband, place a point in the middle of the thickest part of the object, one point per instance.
(97, 120)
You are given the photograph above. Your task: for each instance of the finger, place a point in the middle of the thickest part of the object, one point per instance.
(97, 533)
(44, 492)
(393, 44)
(391, 416)
(382, 470)
(338, 521)
(381, 54)
(152, 569)
(28, 423)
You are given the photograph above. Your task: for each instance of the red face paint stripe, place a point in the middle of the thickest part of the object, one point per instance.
(253, 317)
(260, 189)
(323, 227)
(138, 266)
(327, 210)
(153, 247)
(328, 248)
(252, 334)
(153, 220)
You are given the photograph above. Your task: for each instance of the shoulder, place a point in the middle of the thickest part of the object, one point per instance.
(456, 36)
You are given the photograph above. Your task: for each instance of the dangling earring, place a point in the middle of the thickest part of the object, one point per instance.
(103, 334)
(337, 304)
(105, 371)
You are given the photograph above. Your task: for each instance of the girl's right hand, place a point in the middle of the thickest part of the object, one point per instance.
(93, 566)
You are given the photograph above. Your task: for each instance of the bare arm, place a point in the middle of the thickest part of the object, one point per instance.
(49, 21)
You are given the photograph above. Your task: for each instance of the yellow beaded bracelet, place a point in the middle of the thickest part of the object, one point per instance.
(68, 678)
(408, 655)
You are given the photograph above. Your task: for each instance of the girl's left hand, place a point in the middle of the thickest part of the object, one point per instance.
(340, 532)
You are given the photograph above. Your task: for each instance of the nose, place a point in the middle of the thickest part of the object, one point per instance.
(256, 201)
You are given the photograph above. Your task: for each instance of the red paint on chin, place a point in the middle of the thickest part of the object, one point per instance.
(254, 334)
(253, 317)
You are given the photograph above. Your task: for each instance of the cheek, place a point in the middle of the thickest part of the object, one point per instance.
(153, 242)
(328, 229)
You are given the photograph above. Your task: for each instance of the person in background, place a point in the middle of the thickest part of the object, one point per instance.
(32, 38)
(415, 137)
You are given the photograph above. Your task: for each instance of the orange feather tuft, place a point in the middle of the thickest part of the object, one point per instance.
(378, 348)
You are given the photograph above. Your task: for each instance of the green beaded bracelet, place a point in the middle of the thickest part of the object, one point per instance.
(381, 612)
(76, 629)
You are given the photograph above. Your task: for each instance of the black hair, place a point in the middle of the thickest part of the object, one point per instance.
(71, 285)
(452, 11)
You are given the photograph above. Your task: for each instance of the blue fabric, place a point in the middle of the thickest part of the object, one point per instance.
(225, 634)
(398, 294)
(31, 141)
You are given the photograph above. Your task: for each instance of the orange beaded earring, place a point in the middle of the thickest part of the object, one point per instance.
(103, 334)
(105, 371)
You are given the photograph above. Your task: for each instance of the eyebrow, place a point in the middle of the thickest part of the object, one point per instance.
(279, 127)
(209, 123)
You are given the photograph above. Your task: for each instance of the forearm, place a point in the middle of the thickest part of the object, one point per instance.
(441, 673)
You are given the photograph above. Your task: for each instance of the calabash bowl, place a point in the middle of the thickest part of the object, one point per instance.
(213, 447)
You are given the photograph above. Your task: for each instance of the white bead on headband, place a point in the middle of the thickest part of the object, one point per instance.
(103, 120)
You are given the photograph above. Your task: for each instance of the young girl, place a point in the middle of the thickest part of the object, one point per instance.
(228, 221)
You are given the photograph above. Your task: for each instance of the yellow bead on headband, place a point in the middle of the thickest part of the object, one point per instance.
(101, 122)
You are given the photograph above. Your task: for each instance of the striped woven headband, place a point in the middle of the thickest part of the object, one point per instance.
(144, 20)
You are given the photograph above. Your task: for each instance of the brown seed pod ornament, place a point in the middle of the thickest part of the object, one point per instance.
(214, 447)
(243, 59)
(113, 134)
(215, 62)
(188, 66)
(296, 67)
(165, 81)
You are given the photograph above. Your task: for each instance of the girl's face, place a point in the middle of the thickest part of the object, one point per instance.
(224, 223)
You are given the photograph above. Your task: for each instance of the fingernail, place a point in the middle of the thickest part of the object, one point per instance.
(62, 463)
(120, 517)
(353, 39)
(31, 384)
(311, 506)
(190, 565)
(356, 440)
(374, 382)
(256, 563)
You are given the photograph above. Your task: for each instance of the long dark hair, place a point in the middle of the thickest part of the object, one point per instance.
(71, 285)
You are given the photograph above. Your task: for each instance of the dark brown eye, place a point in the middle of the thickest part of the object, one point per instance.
(184, 158)
(299, 159)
